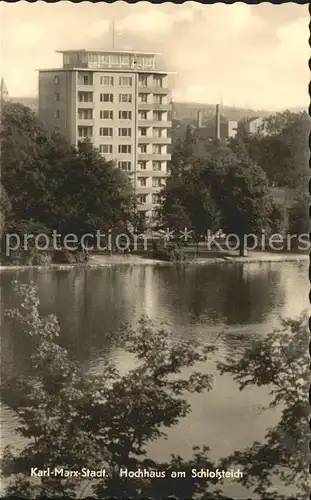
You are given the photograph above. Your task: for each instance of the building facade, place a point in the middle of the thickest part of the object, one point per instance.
(121, 102)
(254, 126)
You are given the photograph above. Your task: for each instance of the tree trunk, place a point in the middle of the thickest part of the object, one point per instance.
(243, 249)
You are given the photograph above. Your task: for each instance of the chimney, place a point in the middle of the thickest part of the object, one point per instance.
(217, 131)
(199, 119)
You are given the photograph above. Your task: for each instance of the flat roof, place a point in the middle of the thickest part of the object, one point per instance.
(112, 51)
(114, 70)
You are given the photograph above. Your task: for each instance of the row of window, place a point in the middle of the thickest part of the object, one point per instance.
(122, 132)
(127, 149)
(156, 165)
(156, 182)
(142, 98)
(156, 198)
(108, 114)
(156, 149)
(107, 60)
(127, 81)
(112, 59)
(105, 114)
(125, 132)
(157, 81)
(122, 148)
(142, 165)
(109, 81)
(122, 97)
(156, 132)
(109, 97)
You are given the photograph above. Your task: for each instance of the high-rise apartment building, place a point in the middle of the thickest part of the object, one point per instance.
(121, 102)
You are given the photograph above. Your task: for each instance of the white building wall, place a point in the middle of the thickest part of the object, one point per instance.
(143, 116)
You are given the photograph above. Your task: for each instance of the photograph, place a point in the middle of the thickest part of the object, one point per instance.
(154, 250)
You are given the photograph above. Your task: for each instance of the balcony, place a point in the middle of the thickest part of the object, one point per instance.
(84, 88)
(85, 105)
(162, 107)
(142, 207)
(162, 124)
(161, 140)
(121, 138)
(151, 173)
(161, 157)
(154, 140)
(153, 89)
(144, 140)
(82, 122)
(145, 123)
(85, 138)
(145, 106)
(142, 190)
(154, 156)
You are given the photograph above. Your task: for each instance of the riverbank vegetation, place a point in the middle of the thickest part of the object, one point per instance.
(47, 185)
(233, 184)
(72, 419)
(51, 185)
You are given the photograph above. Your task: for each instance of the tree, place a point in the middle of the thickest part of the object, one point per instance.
(183, 152)
(227, 190)
(277, 123)
(95, 194)
(50, 182)
(279, 361)
(24, 161)
(5, 210)
(245, 200)
(299, 218)
(73, 419)
(241, 189)
(187, 203)
(282, 150)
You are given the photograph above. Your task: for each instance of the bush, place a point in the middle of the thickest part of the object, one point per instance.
(41, 258)
(279, 361)
(76, 419)
(66, 257)
(169, 254)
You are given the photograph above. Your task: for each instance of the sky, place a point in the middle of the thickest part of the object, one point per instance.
(247, 55)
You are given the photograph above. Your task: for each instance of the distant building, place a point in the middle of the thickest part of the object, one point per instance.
(228, 129)
(217, 127)
(200, 118)
(254, 125)
(120, 101)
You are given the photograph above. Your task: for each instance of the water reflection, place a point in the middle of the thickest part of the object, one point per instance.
(243, 301)
(92, 304)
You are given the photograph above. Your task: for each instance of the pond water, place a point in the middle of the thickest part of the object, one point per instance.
(242, 300)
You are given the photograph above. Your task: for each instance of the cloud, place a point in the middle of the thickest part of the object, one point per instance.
(99, 28)
(153, 21)
(293, 36)
(26, 34)
(240, 51)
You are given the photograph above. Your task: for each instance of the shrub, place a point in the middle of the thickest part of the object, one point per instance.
(75, 419)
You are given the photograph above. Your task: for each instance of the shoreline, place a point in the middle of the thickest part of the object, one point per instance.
(100, 261)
